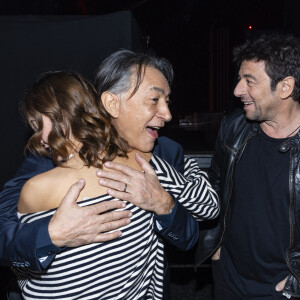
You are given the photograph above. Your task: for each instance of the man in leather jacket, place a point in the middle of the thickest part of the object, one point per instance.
(256, 171)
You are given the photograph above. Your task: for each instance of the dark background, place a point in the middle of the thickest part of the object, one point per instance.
(197, 36)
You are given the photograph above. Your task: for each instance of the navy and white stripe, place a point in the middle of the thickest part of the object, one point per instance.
(192, 189)
(130, 267)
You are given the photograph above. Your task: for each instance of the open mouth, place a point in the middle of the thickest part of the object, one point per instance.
(248, 103)
(153, 131)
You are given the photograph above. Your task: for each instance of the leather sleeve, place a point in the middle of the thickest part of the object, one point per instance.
(214, 172)
(210, 230)
(291, 288)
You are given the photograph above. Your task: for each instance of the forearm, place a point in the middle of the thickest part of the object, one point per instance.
(18, 242)
(179, 227)
(21, 244)
(196, 193)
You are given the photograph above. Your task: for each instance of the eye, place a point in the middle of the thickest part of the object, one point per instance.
(154, 99)
(168, 101)
(249, 82)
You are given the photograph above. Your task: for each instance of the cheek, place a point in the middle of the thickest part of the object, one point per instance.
(45, 134)
(133, 121)
(45, 137)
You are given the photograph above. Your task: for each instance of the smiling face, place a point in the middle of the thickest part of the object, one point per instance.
(141, 116)
(254, 89)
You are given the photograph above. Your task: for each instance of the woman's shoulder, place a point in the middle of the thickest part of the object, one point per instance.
(38, 190)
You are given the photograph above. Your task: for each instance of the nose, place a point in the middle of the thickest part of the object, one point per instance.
(163, 111)
(240, 88)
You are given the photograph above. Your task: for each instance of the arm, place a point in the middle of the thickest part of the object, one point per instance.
(172, 221)
(144, 190)
(18, 241)
(172, 152)
(210, 234)
(35, 245)
(289, 287)
(178, 227)
(197, 194)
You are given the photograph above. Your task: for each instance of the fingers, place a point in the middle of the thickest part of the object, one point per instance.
(113, 225)
(108, 217)
(144, 164)
(121, 220)
(83, 225)
(106, 206)
(108, 236)
(115, 181)
(105, 237)
(280, 286)
(73, 193)
(120, 168)
(112, 176)
(216, 256)
(115, 185)
(126, 196)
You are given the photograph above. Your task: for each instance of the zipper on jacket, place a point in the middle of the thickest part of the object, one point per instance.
(291, 173)
(227, 206)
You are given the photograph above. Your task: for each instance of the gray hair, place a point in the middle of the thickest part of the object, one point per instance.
(116, 71)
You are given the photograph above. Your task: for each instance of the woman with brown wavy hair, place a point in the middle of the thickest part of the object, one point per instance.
(62, 109)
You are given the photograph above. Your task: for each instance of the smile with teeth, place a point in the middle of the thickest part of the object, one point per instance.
(248, 103)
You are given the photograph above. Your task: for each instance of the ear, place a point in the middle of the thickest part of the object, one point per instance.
(111, 103)
(286, 87)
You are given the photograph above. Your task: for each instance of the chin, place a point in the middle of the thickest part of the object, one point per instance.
(147, 148)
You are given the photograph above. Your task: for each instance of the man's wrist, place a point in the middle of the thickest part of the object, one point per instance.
(166, 205)
(54, 234)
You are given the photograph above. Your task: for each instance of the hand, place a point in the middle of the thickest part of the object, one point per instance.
(280, 286)
(73, 226)
(217, 254)
(142, 189)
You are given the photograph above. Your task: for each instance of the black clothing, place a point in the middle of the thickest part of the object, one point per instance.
(223, 292)
(258, 210)
(235, 132)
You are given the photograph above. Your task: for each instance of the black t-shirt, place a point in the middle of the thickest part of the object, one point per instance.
(257, 232)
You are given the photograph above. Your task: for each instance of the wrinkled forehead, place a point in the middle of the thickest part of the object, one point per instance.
(253, 65)
(252, 68)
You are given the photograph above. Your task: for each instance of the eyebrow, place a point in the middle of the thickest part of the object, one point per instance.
(247, 76)
(160, 90)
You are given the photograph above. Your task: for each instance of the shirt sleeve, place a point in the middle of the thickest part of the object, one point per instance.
(192, 190)
(23, 244)
(179, 227)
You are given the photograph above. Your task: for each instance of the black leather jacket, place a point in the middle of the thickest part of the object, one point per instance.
(233, 136)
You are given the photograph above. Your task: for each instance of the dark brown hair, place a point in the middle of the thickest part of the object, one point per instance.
(71, 103)
(279, 52)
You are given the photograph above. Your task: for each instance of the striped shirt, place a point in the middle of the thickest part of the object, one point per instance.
(129, 267)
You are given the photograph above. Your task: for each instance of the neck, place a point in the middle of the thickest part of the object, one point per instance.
(285, 124)
(133, 152)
